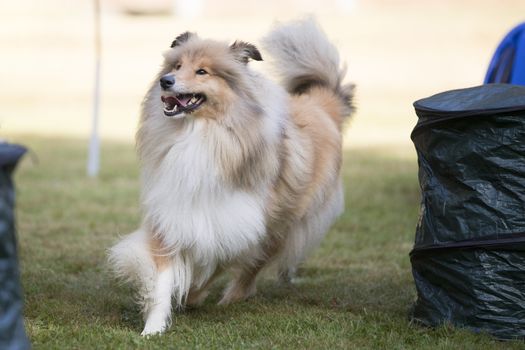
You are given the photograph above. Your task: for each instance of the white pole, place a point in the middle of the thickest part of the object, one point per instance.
(93, 164)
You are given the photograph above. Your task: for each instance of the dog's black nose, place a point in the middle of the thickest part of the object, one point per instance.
(167, 81)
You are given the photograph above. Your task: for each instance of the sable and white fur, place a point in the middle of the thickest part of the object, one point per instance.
(250, 177)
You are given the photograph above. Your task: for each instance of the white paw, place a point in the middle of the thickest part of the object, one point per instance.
(153, 327)
(147, 332)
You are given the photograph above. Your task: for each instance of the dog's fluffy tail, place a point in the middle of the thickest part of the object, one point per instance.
(305, 58)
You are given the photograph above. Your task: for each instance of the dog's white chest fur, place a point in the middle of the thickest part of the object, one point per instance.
(193, 210)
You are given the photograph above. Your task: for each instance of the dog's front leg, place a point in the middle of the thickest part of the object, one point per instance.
(157, 313)
(157, 310)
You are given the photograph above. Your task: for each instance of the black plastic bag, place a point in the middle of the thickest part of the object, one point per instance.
(468, 260)
(12, 333)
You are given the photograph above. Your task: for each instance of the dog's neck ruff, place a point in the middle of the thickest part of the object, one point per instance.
(191, 208)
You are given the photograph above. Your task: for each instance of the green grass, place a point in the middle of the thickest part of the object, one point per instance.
(354, 292)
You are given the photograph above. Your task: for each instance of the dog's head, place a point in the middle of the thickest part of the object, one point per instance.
(203, 77)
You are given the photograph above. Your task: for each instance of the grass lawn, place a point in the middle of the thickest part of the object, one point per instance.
(354, 292)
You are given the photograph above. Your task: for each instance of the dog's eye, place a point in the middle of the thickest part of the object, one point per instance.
(201, 72)
(177, 66)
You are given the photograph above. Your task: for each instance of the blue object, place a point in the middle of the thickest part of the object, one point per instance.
(508, 63)
(12, 333)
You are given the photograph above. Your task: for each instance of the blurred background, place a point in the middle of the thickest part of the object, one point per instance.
(397, 51)
(357, 287)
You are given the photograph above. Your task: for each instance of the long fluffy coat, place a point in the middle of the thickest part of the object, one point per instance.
(249, 178)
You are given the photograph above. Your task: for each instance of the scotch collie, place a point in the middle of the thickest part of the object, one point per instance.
(238, 172)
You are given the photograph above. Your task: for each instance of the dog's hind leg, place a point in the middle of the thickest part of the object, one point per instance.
(242, 286)
(307, 234)
(286, 274)
(197, 295)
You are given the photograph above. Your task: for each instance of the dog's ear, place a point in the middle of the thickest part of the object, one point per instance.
(244, 51)
(181, 39)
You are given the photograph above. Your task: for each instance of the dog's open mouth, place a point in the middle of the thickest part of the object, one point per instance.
(187, 103)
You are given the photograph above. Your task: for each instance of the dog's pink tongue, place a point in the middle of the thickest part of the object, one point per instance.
(183, 100)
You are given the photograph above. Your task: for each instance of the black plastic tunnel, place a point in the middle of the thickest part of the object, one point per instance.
(468, 259)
